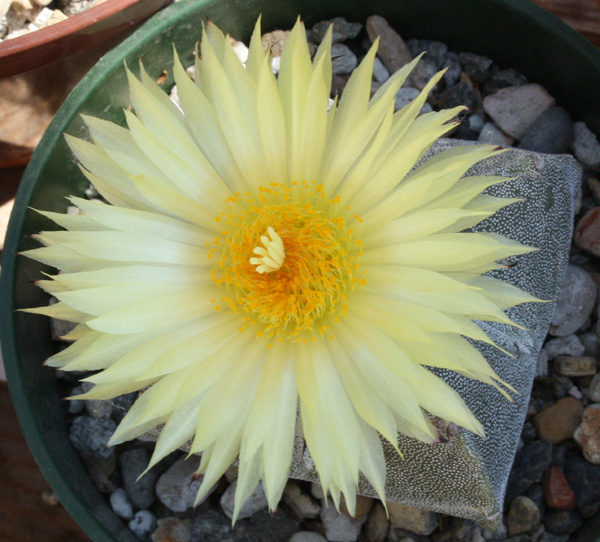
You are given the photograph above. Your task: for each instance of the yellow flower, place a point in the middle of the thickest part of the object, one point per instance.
(263, 257)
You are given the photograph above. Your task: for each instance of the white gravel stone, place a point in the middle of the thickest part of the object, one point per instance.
(564, 346)
(16, 34)
(340, 527)
(241, 51)
(303, 505)
(492, 135)
(142, 524)
(275, 62)
(174, 95)
(514, 109)
(586, 146)
(121, 505)
(574, 304)
(177, 487)
(231, 473)
(316, 490)
(541, 369)
(406, 95)
(476, 123)
(344, 60)
(589, 340)
(56, 17)
(594, 390)
(574, 391)
(256, 501)
(307, 536)
(380, 72)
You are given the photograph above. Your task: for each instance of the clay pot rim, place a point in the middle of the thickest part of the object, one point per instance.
(82, 30)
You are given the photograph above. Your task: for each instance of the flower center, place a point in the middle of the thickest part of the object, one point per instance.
(286, 261)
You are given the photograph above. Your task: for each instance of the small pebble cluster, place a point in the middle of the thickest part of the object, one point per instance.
(554, 486)
(21, 17)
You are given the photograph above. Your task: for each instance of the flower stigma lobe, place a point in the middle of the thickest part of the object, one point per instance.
(307, 264)
(272, 254)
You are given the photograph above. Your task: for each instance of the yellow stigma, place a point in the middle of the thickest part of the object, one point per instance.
(272, 255)
(296, 274)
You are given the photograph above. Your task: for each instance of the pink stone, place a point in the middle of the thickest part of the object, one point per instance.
(557, 491)
(587, 232)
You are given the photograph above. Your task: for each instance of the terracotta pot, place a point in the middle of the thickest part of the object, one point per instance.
(75, 34)
(39, 69)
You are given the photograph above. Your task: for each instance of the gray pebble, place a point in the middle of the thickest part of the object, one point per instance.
(307, 536)
(422, 73)
(476, 123)
(96, 408)
(562, 521)
(133, 463)
(594, 389)
(589, 340)
(549, 537)
(76, 406)
(121, 405)
(541, 369)
(177, 487)
(101, 471)
(436, 51)
(316, 490)
(502, 79)
(476, 67)
(492, 135)
(211, 526)
(91, 435)
(340, 527)
(380, 72)
(551, 133)
(529, 466)
(574, 304)
(586, 147)
(454, 70)
(265, 526)
(344, 60)
(404, 96)
(121, 505)
(378, 524)
(255, 502)
(342, 30)
(564, 346)
(142, 524)
(302, 505)
(460, 94)
(514, 109)
(528, 434)
(60, 328)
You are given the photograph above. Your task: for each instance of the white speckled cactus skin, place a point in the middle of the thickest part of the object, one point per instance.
(467, 476)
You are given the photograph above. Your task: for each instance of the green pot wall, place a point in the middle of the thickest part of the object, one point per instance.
(515, 33)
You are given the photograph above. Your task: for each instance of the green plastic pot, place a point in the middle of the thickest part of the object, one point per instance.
(515, 33)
